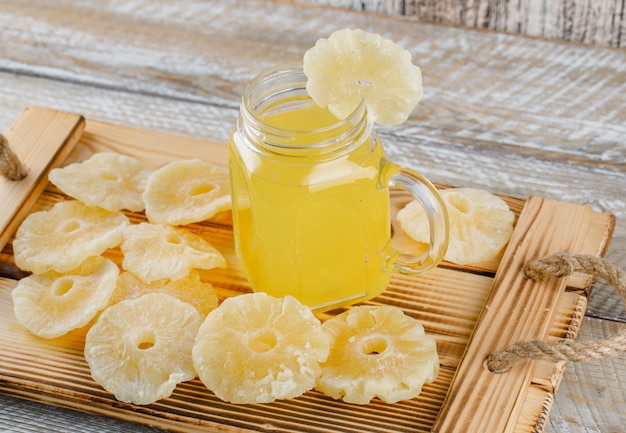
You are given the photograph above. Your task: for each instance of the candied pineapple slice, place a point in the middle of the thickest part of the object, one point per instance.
(52, 304)
(155, 251)
(255, 348)
(352, 65)
(190, 289)
(481, 224)
(377, 351)
(140, 349)
(109, 180)
(61, 238)
(183, 192)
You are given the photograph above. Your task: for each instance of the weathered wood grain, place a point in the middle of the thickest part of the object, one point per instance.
(600, 382)
(514, 115)
(599, 22)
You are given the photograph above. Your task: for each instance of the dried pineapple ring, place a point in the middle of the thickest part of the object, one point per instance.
(52, 304)
(190, 289)
(377, 351)
(61, 238)
(109, 180)
(183, 192)
(352, 65)
(255, 348)
(154, 251)
(140, 349)
(481, 224)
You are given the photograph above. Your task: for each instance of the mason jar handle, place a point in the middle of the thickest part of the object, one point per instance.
(426, 194)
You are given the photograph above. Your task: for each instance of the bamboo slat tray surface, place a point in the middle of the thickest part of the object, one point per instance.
(471, 311)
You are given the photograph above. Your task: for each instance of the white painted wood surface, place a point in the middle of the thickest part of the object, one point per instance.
(514, 115)
(597, 22)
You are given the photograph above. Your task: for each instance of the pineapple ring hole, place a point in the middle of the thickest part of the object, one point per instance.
(108, 176)
(62, 286)
(459, 203)
(69, 227)
(201, 189)
(262, 341)
(173, 238)
(374, 345)
(146, 340)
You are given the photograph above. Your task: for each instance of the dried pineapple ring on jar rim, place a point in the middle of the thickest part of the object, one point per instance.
(352, 65)
(377, 351)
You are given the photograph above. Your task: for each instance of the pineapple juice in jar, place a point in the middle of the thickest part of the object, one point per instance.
(310, 196)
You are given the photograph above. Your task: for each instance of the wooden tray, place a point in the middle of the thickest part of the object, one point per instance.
(471, 310)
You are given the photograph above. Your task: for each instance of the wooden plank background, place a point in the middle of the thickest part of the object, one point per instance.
(598, 22)
(518, 116)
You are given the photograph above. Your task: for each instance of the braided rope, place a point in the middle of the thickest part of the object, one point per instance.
(10, 165)
(561, 265)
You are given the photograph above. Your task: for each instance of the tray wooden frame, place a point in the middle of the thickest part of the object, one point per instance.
(470, 310)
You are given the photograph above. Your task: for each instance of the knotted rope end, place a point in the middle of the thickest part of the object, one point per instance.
(495, 365)
(10, 165)
(556, 265)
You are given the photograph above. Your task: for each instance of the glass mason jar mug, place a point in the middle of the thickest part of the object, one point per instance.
(311, 203)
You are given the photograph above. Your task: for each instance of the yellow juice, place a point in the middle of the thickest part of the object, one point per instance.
(313, 227)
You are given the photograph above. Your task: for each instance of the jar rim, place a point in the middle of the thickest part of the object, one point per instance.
(276, 82)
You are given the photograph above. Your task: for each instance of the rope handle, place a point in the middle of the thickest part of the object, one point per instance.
(10, 165)
(561, 265)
